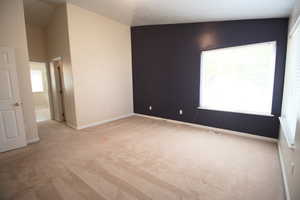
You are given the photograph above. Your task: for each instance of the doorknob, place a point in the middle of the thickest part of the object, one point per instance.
(16, 104)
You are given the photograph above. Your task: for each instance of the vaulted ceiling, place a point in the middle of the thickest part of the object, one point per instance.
(147, 12)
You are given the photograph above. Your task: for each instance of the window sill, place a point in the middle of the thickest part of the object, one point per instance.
(238, 112)
(290, 143)
(39, 92)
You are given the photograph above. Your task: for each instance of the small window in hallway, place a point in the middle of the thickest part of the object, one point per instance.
(37, 80)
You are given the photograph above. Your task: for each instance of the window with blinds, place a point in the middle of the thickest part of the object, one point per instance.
(291, 96)
(238, 79)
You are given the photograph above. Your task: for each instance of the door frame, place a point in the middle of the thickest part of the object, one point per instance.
(57, 96)
(50, 96)
(47, 66)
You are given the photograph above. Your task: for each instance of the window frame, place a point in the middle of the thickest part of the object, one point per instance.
(200, 107)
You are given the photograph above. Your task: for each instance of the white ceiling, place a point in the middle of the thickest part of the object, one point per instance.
(148, 12)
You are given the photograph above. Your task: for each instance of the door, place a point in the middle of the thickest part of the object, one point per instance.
(12, 130)
(57, 90)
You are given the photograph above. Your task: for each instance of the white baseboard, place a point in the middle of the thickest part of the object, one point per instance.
(215, 129)
(71, 125)
(103, 122)
(33, 140)
(284, 177)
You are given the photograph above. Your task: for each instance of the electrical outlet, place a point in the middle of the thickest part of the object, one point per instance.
(180, 112)
(150, 107)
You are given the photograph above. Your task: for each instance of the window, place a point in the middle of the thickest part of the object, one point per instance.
(291, 95)
(37, 81)
(238, 79)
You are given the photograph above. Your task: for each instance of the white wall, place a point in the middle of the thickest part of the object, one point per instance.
(13, 34)
(58, 46)
(295, 13)
(101, 64)
(36, 39)
(292, 156)
(96, 54)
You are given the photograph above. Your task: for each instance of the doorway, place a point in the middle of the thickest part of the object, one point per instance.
(40, 90)
(47, 89)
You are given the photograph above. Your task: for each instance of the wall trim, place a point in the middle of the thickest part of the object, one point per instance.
(214, 129)
(71, 125)
(285, 130)
(283, 173)
(103, 121)
(33, 140)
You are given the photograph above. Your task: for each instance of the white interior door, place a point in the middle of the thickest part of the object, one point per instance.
(12, 131)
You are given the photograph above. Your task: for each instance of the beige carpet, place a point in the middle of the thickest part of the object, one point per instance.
(140, 158)
(42, 114)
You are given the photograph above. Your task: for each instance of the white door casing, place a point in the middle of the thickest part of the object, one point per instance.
(12, 130)
(57, 90)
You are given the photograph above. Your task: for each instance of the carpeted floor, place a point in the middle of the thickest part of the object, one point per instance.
(42, 114)
(140, 158)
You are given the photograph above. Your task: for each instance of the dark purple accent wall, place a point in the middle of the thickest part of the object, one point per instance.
(166, 70)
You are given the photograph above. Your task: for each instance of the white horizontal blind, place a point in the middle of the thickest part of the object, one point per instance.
(291, 97)
(238, 79)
